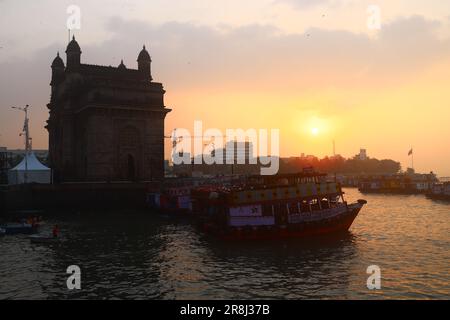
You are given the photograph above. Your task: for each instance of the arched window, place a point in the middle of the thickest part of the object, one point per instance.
(129, 153)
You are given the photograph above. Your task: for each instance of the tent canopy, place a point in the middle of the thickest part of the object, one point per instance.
(33, 164)
(36, 173)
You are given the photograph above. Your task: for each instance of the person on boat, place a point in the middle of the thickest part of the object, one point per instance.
(55, 231)
(34, 222)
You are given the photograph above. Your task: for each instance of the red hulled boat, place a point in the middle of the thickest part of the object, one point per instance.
(277, 207)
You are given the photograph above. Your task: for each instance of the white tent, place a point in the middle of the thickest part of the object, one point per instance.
(35, 171)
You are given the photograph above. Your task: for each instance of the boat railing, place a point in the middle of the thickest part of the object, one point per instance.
(316, 215)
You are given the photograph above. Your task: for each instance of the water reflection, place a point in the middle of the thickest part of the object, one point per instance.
(135, 255)
(289, 270)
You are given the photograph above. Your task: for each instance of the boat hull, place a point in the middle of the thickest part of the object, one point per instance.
(44, 240)
(337, 224)
(390, 191)
(435, 196)
(19, 229)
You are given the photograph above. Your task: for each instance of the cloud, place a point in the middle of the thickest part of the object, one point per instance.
(190, 55)
(307, 4)
(253, 58)
(25, 81)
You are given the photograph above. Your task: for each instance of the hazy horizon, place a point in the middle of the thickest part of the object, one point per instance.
(313, 69)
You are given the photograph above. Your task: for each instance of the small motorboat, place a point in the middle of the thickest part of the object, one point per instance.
(19, 228)
(2, 232)
(43, 239)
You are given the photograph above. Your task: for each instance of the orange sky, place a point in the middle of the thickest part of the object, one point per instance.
(287, 64)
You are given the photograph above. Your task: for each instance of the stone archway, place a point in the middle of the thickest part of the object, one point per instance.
(129, 153)
(131, 164)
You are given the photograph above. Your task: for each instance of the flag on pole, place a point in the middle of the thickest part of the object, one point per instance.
(410, 152)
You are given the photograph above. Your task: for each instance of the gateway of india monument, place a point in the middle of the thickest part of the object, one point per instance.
(106, 123)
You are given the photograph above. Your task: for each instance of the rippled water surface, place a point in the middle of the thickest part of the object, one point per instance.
(134, 255)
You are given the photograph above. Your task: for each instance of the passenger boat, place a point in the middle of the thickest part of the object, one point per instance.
(175, 200)
(405, 183)
(279, 207)
(174, 196)
(440, 191)
(19, 228)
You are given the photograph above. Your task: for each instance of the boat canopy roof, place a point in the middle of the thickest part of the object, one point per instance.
(288, 178)
(299, 175)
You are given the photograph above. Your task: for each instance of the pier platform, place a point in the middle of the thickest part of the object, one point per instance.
(67, 196)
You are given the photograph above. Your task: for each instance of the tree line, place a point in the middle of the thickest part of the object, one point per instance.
(340, 165)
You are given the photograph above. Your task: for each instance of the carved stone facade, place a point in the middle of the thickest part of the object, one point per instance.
(106, 123)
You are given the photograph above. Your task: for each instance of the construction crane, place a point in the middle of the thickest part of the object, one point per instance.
(177, 140)
(25, 132)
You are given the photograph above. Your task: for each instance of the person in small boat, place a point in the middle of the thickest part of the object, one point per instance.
(34, 222)
(55, 231)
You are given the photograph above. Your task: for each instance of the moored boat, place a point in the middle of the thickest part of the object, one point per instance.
(19, 228)
(174, 196)
(440, 191)
(175, 200)
(405, 183)
(279, 207)
(43, 240)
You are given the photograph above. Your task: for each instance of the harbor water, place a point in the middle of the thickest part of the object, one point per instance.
(138, 255)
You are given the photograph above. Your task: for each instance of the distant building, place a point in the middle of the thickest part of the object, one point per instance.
(106, 123)
(183, 169)
(237, 158)
(4, 165)
(362, 154)
(237, 152)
